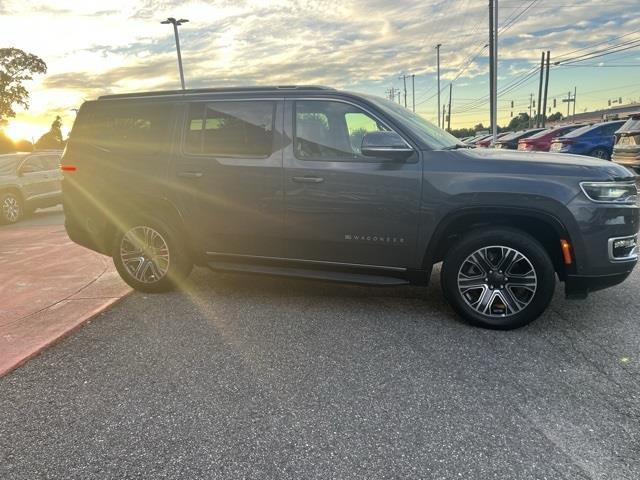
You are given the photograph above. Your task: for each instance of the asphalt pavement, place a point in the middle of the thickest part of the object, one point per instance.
(255, 377)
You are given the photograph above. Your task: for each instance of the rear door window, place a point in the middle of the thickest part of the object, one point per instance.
(33, 165)
(230, 128)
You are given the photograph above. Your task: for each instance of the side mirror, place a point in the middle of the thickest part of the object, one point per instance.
(388, 145)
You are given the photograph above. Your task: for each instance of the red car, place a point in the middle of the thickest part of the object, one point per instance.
(541, 141)
(486, 142)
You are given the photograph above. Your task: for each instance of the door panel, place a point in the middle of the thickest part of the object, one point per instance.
(227, 178)
(34, 182)
(339, 205)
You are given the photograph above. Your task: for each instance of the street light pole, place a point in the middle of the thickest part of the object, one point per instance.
(176, 24)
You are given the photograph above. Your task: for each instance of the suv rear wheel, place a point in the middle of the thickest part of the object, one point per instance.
(499, 278)
(11, 209)
(150, 257)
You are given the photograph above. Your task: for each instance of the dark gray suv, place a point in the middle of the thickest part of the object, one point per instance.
(318, 183)
(29, 181)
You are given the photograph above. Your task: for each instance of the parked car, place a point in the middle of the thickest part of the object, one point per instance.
(318, 183)
(28, 181)
(510, 142)
(541, 141)
(593, 140)
(627, 148)
(485, 143)
(477, 138)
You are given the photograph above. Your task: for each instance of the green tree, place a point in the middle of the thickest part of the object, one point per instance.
(52, 140)
(16, 67)
(521, 122)
(555, 117)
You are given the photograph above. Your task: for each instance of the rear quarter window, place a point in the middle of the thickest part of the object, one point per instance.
(123, 126)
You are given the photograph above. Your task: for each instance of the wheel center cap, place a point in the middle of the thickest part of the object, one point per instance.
(496, 279)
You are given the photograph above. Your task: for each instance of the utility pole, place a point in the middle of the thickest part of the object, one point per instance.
(404, 80)
(176, 24)
(568, 101)
(546, 90)
(449, 109)
(493, 66)
(443, 114)
(391, 94)
(575, 91)
(413, 91)
(530, 105)
(540, 91)
(399, 95)
(438, 62)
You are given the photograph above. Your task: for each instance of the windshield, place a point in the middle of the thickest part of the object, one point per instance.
(579, 131)
(434, 137)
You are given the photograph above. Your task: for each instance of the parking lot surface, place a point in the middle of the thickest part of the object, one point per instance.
(254, 377)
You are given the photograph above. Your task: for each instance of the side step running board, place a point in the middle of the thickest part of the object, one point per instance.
(358, 278)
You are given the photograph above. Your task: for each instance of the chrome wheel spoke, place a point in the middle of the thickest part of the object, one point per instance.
(145, 254)
(497, 281)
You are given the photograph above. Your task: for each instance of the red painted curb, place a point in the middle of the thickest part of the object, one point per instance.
(49, 287)
(54, 340)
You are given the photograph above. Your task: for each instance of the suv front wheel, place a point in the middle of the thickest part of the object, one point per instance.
(499, 278)
(150, 257)
(11, 209)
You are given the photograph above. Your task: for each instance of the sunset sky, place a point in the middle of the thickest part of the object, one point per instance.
(97, 47)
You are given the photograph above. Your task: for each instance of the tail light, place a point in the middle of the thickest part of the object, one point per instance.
(68, 168)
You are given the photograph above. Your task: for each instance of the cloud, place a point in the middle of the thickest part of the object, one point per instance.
(93, 48)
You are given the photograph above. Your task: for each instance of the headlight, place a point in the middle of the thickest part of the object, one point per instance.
(610, 192)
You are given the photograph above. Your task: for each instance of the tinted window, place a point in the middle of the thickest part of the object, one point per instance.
(124, 126)
(34, 164)
(326, 130)
(610, 129)
(230, 128)
(51, 162)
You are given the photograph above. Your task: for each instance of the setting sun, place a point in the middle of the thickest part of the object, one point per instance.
(17, 130)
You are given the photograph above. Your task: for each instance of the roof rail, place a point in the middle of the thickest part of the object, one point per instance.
(198, 91)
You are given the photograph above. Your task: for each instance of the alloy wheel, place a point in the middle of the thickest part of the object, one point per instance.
(145, 254)
(11, 208)
(497, 281)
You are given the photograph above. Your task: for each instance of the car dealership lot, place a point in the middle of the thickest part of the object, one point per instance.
(256, 377)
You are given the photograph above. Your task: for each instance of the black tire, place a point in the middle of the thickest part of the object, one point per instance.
(178, 263)
(532, 300)
(11, 208)
(599, 152)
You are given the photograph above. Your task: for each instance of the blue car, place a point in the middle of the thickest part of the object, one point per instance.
(594, 140)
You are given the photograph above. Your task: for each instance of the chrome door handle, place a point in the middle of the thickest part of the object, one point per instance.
(190, 174)
(308, 179)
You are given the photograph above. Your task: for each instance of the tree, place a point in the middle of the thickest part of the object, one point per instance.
(24, 146)
(52, 140)
(6, 144)
(555, 117)
(16, 67)
(521, 122)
